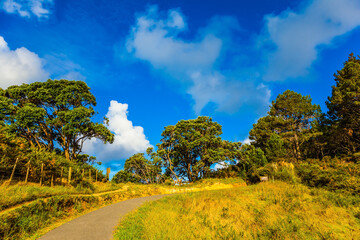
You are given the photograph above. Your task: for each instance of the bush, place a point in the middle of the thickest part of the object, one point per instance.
(277, 171)
(83, 186)
(331, 174)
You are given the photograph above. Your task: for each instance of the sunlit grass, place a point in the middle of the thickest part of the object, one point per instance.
(265, 211)
(19, 193)
(60, 204)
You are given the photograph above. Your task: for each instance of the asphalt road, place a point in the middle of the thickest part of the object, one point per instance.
(99, 224)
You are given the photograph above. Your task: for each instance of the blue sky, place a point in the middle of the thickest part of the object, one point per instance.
(152, 63)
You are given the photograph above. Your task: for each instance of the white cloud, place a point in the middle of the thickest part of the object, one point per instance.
(297, 35)
(229, 95)
(220, 165)
(192, 62)
(246, 141)
(19, 66)
(27, 8)
(129, 139)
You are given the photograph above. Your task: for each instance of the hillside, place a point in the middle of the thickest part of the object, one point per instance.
(265, 211)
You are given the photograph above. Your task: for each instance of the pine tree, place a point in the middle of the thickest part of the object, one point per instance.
(344, 109)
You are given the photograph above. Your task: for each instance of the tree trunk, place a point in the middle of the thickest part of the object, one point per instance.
(189, 173)
(297, 147)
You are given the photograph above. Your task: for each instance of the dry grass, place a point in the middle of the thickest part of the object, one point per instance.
(16, 194)
(31, 219)
(265, 211)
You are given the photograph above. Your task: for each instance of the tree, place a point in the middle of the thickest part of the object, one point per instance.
(291, 116)
(123, 176)
(249, 159)
(344, 108)
(261, 131)
(189, 148)
(53, 111)
(144, 170)
(275, 148)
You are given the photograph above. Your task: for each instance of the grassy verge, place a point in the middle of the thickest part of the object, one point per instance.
(16, 194)
(265, 211)
(25, 221)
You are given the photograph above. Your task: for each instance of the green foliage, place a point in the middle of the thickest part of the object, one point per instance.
(275, 148)
(330, 174)
(53, 111)
(250, 159)
(291, 116)
(123, 177)
(144, 170)
(281, 171)
(189, 148)
(344, 109)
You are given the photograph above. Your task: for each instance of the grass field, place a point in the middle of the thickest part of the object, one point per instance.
(47, 207)
(16, 194)
(264, 211)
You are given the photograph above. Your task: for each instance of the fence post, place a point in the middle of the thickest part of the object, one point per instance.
(41, 173)
(27, 172)
(52, 180)
(13, 171)
(107, 174)
(69, 177)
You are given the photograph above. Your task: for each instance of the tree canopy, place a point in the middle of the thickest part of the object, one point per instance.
(291, 116)
(344, 108)
(189, 148)
(55, 111)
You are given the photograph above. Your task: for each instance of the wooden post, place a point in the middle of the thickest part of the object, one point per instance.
(61, 175)
(107, 174)
(52, 180)
(83, 173)
(90, 175)
(42, 173)
(69, 177)
(96, 173)
(27, 172)
(13, 171)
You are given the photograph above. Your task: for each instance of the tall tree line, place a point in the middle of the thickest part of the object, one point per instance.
(293, 130)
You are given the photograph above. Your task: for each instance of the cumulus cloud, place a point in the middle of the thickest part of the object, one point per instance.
(220, 165)
(19, 66)
(157, 40)
(129, 139)
(28, 8)
(297, 35)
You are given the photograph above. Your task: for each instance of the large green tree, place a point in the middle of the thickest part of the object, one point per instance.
(55, 111)
(142, 169)
(344, 108)
(291, 116)
(191, 147)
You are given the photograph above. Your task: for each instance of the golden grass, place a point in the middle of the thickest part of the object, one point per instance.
(35, 218)
(265, 211)
(19, 193)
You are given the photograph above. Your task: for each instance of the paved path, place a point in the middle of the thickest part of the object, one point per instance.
(99, 224)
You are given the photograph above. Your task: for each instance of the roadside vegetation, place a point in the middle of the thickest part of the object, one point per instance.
(265, 211)
(59, 204)
(19, 193)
